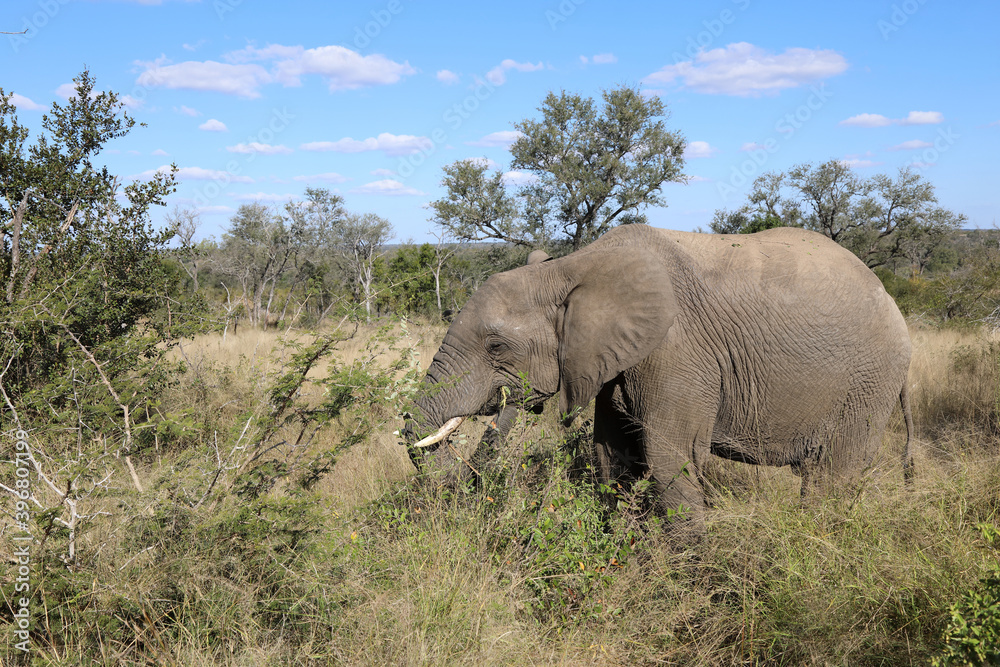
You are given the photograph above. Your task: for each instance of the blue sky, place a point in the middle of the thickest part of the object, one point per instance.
(258, 100)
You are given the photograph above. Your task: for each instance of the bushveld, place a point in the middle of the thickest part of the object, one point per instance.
(252, 534)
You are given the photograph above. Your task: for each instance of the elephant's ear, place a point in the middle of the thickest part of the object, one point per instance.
(616, 315)
(537, 257)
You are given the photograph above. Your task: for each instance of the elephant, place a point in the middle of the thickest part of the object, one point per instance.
(778, 348)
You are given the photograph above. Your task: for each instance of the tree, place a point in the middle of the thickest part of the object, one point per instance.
(593, 169)
(313, 225)
(185, 222)
(84, 283)
(478, 206)
(443, 251)
(744, 220)
(89, 309)
(361, 238)
(878, 218)
(255, 251)
(596, 170)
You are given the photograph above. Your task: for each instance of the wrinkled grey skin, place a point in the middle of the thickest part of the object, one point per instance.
(778, 348)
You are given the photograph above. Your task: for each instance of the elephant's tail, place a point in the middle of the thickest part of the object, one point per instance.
(904, 403)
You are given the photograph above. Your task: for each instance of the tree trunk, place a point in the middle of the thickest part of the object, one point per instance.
(437, 290)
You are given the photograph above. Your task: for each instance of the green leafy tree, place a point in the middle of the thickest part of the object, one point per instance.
(312, 225)
(257, 250)
(406, 280)
(743, 220)
(478, 206)
(361, 238)
(594, 166)
(84, 280)
(597, 168)
(90, 305)
(880, 219)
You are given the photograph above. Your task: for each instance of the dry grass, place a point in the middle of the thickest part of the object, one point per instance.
(369, 568)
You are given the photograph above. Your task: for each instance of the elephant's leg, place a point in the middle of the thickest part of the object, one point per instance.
(677, 404)
(637, 431)
(675, 450)
(617, 438)
(847, 445)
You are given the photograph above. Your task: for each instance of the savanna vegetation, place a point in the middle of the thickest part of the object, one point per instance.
(212, 474)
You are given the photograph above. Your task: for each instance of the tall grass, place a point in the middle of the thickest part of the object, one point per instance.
(374, 566)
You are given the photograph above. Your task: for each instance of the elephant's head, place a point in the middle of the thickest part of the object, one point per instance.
(562, 326)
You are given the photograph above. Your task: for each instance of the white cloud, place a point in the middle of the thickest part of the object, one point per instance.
(750, 146)
(25, 104)
(500, 139)
(911, 145)
(698, 179)
(391, 144)
(66, 90)
(747, 70)
(255, 147)
(342, 68)
(600, 59)
(195, 174)
(696, 149)
(160, 152)
(387, 173)
(131, 102)
(215, 209)
(867, 120)
(241, 80)
(212, 125)
(518, 178)
(498, 75)
(483, 161)
(386, 187)
(193, 47)
(263, 196)
(446, 77)
(859, 163)
(922, 118)
(329, 177)
(187, 111)
(878, 120)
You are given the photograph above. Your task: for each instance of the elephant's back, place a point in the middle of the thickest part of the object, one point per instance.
(788, 272)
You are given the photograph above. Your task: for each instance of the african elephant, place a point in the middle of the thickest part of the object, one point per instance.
(777, 348)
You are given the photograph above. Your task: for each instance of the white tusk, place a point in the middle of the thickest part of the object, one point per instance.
(442, 433)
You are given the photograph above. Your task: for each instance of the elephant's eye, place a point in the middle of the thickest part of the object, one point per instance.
(495, 347)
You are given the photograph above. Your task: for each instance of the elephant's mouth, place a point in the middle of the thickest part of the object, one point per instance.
(504, 397)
